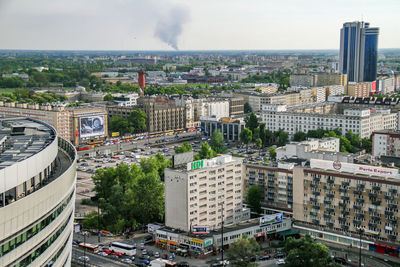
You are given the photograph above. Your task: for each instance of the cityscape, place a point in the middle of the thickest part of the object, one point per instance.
(173, 154)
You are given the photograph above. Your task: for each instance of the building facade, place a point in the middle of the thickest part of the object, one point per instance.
(386, 143)
(196, 191)
(361, 121)
(37, 196)
(230, 128)
(359, 51)
(333, 200)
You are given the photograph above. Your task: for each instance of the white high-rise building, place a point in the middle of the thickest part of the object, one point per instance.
(196, 191)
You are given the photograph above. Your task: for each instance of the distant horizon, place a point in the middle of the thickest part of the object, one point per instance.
(196, 25)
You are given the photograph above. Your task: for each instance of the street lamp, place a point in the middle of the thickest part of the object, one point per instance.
(84, 233)
(360, 231)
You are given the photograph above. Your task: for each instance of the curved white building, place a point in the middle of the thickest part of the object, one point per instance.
(37, 194)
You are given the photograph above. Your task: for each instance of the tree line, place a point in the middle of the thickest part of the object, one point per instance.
(135, 123)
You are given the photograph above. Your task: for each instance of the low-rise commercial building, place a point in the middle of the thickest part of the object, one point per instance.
(229, 127)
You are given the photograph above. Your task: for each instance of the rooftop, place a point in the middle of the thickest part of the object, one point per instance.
(21, 138)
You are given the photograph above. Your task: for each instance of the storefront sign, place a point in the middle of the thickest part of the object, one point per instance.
(196, 164)
(195, 240)
(270, 219)
(354, 168)
(208, 242)
(172, 243)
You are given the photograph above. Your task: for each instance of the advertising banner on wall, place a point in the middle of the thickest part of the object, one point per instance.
(201, 230)
(354, 168)
(270, 219)
(91, 126)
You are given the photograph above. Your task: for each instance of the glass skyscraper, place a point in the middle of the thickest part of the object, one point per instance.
(358, 51)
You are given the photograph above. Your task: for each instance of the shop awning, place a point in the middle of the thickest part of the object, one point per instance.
(288, 233)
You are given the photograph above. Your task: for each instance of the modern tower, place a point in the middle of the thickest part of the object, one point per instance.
(358, 51)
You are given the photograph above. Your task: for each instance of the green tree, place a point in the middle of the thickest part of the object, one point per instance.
(272, 153)
(217, 142)
(283, 138)
(108, 97)
(247, 108)
(259, 144)
(91, 220)
(254, 197)
(205, 152)
(299, 136)
(263, 133)
(246, 137)
(184, 148)
(305, 252)
(366, 144)
(137, 120)
(119, 124)
(251, 121)
(353, 138)
(242, 250)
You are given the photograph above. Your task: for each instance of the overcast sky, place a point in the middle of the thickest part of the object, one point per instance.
(190, 24)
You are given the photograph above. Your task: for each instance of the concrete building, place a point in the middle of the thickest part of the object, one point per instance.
(236, 106)
(386, 143)
(37, 194)
(333, 200)
(301, 80)
(211, 107)
(196, 191)
(229, 127)
(162, 114)
(385, 85)
(277, 182)
(126, 100)
(360, 89)
(318, 79)
(361, 121)
(267, 88)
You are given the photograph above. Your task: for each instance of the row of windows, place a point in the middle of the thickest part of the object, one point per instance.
(34, 230)
(34, 255)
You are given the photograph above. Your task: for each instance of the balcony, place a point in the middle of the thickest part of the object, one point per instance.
(377, 202)
(345, 183)
(376, 188)
(359, 216)
(389, 213)
(346, 198)
(392, 237)
(330, 181)
(342, 190)
(392, 206)
(344, 227)
(315, 221)
(389, 197)
(316, 193)
(330, 210)
(312, 185)
(330, 224)
(342, 204)
(270, 199)
(357, 207)
(290, 190)
(371, 225)
(362, 186)
(327, 202)
(317, 179)
(394, 191)
(330, 195)
(271, 186)
(360, 200)
(375, 217)
(357, 222)
(372, 195)
(317, 207)
(313, 213)
(345, 213)
(357, 192)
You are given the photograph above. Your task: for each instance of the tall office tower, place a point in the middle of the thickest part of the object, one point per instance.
(358, 51)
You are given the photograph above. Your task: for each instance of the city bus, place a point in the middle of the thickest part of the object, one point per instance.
(90, 247)
(123, 248)
(83, 147)
(95, 143)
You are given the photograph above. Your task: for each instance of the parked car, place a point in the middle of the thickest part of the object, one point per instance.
(127, 260)
(279, 255)
(145, 262)
(280, 262)
(84, 258)
(144, 252)
(340, 260)
(156, 254)
(265, 257)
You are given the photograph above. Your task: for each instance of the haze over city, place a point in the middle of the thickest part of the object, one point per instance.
(189, 25)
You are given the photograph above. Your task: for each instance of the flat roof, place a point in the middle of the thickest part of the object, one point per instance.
(21, 138)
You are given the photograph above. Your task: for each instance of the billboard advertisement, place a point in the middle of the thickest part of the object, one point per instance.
(201, 230)
(270, 219)
(354, 168)
(91, 126)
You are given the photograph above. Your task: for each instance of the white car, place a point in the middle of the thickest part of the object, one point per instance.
(280, 262)
(84, 258)
(126, 260)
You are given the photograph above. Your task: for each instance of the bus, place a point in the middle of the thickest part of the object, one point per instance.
(95, 143)
(123, 248)
(83, 147)
(92, 248)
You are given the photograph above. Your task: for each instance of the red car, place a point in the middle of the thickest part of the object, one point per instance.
(118, 254)
(107, 251)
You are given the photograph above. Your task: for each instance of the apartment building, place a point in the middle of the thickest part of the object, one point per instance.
(318, 79)
(386, 143)
(360, 89)
(196, 191)
(236, 106)
(361, 121)
(333, 200)
(385, 85)
(277, 182)
(56, 116)
(162, 114)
